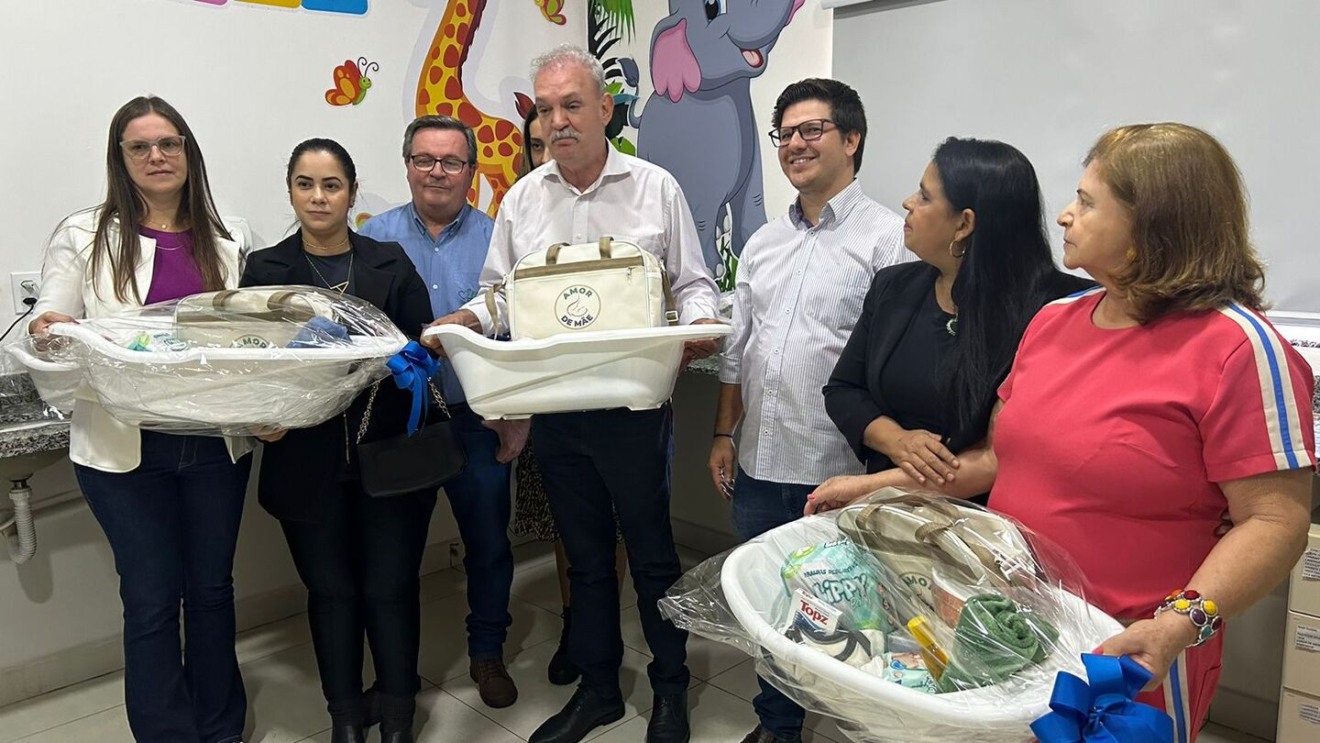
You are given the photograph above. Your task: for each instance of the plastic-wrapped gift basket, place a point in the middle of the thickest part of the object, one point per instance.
(585, 370)
(907, 616)
(231, 362)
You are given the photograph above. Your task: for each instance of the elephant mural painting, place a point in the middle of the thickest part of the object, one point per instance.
(699, 124)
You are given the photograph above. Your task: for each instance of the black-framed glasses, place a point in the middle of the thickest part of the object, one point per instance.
(140, 149)
(425, 163)
(810, 131)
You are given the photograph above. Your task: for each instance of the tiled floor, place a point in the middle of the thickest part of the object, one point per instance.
(285, 704)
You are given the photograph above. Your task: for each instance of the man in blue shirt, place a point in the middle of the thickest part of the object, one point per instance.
(447, 241)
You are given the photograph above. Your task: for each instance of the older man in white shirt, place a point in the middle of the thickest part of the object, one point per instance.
(801, 282)
(597, 464)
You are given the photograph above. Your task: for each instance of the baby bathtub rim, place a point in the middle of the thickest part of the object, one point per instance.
(936, 708)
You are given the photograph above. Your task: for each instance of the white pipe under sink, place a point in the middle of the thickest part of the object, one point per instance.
(23, 542)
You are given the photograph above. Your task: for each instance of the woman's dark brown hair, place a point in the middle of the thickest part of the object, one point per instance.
(1189, 219)
(124, 207)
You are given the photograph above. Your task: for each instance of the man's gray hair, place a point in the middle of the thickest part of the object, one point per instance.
(568, 54)
(448, 123)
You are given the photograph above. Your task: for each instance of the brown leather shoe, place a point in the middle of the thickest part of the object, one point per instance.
(493, 683)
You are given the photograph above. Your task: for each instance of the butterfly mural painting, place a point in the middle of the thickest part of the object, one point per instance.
(351, 82)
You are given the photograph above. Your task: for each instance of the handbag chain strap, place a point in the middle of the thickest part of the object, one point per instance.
(371, 403)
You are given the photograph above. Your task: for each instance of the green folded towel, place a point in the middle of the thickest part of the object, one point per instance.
(993, 641)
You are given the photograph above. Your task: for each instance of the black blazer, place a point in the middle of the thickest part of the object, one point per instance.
(306, 467)
(852, 396)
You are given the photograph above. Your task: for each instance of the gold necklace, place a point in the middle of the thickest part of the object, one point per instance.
(337, 246)
(341, 287)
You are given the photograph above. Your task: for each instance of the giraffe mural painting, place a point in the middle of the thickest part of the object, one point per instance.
(440, 91)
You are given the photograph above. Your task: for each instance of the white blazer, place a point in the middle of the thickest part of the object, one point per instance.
(96, 439)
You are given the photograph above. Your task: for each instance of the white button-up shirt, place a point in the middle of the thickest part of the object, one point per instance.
(799, 292)
(632, 200)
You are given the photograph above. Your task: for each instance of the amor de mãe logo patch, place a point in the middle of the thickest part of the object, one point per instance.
(577, 307)
(250, 341)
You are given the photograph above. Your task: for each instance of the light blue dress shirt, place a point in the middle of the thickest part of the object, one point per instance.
(450, 264)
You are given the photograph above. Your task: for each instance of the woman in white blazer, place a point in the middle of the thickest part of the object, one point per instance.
(170, 505)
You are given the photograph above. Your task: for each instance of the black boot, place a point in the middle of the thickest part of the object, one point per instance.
(396, 718)
(561, 671)
(347, 720)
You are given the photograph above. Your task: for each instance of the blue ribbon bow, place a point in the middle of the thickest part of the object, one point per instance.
(1103, 712)
(412, 367)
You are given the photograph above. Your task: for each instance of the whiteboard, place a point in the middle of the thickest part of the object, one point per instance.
(1048, 76)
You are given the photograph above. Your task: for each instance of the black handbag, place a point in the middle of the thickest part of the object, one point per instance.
(405, 464)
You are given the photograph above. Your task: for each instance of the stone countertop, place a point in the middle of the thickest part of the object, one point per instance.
(28, 425)
(33, 437)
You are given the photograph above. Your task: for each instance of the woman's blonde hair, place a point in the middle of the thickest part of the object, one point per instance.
(1189, 219)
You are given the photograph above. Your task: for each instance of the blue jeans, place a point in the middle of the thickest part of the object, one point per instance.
(173, 524)
(480, 499)
(758, 507)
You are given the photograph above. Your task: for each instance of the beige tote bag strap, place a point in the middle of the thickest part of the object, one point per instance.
(606, 247)
(552, 253)
(493, 308)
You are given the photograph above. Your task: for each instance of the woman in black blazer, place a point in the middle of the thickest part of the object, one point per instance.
(913, 389)
(358, 556)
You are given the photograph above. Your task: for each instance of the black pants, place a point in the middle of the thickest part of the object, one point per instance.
(595, 465)
(360, 567)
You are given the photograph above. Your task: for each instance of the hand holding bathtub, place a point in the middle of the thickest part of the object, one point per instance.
(40, 325)
(466, 318)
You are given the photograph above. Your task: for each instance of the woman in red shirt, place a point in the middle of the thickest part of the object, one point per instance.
(1137, 413)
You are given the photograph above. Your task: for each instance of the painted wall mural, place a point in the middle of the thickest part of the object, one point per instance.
(353, 7)
(699, 123)
(440, 91)
(351, 82)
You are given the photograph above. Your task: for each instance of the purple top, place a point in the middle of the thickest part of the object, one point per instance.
(175, 273)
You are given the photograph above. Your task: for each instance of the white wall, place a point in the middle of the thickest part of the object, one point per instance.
(1048, 76)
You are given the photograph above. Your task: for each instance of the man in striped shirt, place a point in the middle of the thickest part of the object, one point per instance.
(801, 282)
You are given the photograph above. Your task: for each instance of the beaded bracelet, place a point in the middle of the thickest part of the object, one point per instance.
(1203, 612)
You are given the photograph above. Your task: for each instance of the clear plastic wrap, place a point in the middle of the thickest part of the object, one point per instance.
(907, 616)
(20, 401)
(234, 362)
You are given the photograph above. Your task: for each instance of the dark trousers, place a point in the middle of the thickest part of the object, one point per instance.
(758, 507)
(360, 567)
(595, 465)
(480, 499)
(172, 524)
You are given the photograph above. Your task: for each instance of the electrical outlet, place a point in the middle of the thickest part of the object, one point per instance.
(22, 285)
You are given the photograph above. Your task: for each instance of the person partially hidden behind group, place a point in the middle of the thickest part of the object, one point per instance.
(170, 505)
(359, 556)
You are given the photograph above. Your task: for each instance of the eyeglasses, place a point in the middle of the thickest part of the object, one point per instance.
(810, 131)
(450, 165)
(140, 149)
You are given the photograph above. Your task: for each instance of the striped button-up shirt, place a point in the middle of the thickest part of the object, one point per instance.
(799, 292)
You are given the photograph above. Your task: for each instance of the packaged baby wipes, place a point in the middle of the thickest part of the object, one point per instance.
(841, 574)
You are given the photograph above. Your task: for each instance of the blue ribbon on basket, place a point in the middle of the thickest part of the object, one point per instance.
(412, 367)
(1104, 710)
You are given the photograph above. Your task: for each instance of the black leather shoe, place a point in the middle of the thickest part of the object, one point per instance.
(347, 733)
(400, 736)
(761, 735)
(669, 719)
(584, 712)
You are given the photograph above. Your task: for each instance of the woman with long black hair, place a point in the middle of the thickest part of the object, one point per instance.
(914, 387)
